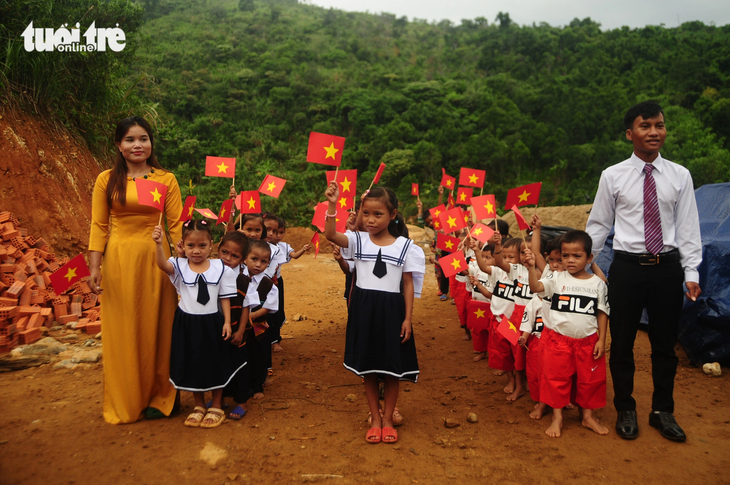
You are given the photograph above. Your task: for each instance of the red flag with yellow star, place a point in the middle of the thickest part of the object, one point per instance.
(380, 171)
(452, 220)
(526, 195)
(220, 167)
(521, 222)
(453, 263)
(484, 206)
(450, 201)
(249, 202)
(69, 273)
(414, 189)
(318, 219)
(207, 213)
(347, 180)
(151, 193)
(345, 203)
(436, 211)
(225, 213)
(477, 316)
(463, 195)
(187, 211)
(272, 186)
(472, 177)
(448, 181)
(325, 149)
(447, 243)
(481, 233)
(509, 330)
(315, 244)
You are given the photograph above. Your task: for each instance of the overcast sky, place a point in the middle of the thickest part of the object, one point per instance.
(610, 14)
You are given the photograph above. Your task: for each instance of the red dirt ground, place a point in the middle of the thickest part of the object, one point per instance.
(51, 429)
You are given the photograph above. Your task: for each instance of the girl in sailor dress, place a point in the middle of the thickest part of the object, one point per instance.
(201, 359)
(390, 269)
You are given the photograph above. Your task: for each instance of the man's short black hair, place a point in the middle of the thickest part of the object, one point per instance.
(576, 236)
(646, 109)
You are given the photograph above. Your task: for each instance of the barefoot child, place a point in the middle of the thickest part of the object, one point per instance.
(390, 270)
(201, 358)
(575, 344)
(460, 293)
(482, 286)
(531, 328)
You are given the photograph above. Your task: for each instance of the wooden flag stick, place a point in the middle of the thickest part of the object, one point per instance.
(159, 223)
(336, 170)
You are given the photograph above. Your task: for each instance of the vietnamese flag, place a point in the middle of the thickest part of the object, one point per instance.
(318, 219)
(509, 331)
(453, 263)
(345, 203)
(463, 195)
(187, 211)
(447, 243)
(448, 181)
(381, 168)
(325, 149)
(220, 167)
(151, 193)
(272, 186)
(521, 222)
(450, 201)
(525, 195)
(414, 190)
(452, 220)
(436, 211)
(347, 180)
(472, 177)
(484, 206)
(477, 316)
(249, 202)
(225, 213)
(207, 213)
(315, 244)
(481, 233)
(69, 273)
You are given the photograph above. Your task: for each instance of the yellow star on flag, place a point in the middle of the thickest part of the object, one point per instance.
(489, 207)
(345, 185)
(343, 202)
(524, 195)
(456, 264)
(271, 187)
(316, 245)
(251, 203)
(451, 221)
(223, 212)
(222, 168)
(448, 182)
(462, 196)
(156, 196)
(449, 245)
(436, 212)
(473, 178)
(71, 274)
(478, 231)
(190, 211)
(331, 151)
(512, 327)
(479, 313)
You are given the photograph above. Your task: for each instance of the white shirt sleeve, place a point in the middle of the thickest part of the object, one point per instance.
(416, 265)
(687, 227)
(228, 287)
(603, 212)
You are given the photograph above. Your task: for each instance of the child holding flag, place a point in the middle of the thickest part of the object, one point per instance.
(575, 344)
(482, 286)
(379, 340)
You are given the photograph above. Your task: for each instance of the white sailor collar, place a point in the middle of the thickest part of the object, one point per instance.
(211, 276)
(366, 250)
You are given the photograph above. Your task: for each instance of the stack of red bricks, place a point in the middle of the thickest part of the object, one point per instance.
(27, 299)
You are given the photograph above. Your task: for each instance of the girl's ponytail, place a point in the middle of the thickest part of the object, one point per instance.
(397, 226)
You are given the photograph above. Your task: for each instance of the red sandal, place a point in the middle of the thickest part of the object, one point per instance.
(374, 435)
(389, 435)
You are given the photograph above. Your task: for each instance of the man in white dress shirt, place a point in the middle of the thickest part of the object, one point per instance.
(657, 246)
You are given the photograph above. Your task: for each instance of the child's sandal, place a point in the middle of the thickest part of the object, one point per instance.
(214, 418)
(195, 418)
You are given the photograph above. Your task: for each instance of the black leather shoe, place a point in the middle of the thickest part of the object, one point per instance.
(667, 426)
(626, 425)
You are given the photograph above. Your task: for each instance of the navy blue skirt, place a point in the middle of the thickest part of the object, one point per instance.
(200, 360)
(373, 342)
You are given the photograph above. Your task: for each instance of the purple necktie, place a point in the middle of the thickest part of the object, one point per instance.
(652, 221)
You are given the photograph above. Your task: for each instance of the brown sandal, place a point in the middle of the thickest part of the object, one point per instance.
(195, 418)
(215, 418)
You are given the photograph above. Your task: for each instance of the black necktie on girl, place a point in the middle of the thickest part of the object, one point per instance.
(203, 295)
(380, 269)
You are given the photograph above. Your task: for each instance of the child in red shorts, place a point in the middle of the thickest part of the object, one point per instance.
(479, 312)
(574, 345)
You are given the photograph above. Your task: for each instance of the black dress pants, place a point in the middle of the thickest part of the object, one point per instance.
(633, 287)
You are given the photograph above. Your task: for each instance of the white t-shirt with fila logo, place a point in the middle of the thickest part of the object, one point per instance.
(575, 303)
(485, 279)
(532, 319)
(521, 284)
(503, 294)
